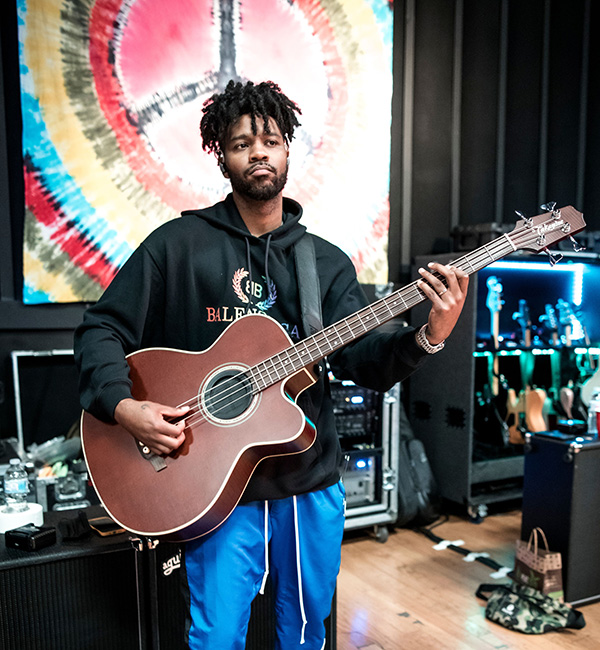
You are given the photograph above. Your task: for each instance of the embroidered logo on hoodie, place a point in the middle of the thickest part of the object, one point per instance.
(256, 298)
(253, 293)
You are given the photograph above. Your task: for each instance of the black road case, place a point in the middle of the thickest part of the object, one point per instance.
(561, 495)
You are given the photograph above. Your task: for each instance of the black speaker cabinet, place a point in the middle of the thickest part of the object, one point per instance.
(72, 596)
(561, 496)
(441, 409)
(167, 608)
(106, 593)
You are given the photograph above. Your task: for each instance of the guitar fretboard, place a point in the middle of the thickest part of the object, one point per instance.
(331, 338)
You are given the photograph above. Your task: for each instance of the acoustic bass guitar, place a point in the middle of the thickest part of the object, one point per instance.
(241, 393)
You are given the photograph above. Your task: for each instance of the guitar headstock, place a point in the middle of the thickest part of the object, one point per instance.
(549, 318)
(524, 320)
(494, 300)
(565, 312)
(574, 329)
(522, 316)
(538, 233)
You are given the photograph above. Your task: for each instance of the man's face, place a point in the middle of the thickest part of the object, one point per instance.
(256, 164)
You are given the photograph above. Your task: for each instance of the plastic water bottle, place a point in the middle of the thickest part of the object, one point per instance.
(16, 486)
(593, 412)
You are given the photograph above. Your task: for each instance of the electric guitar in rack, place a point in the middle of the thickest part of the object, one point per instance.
(494, 304)
(242, 393)
(488, 423)
(550, 322)
(522, 317)
(587, 363)
(573, 330)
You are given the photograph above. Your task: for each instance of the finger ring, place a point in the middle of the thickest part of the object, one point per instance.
(442, 293)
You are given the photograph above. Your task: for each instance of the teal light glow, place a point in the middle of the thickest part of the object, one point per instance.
(577, 270)
(593, 351)
(518, 353)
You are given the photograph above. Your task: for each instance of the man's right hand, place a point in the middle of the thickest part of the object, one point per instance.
(147, 422)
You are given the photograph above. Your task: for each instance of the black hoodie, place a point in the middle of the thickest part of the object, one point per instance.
(191, 278)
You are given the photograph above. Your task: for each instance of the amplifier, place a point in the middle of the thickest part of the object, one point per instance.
(72, 596)
(561, 496)
(107, 593)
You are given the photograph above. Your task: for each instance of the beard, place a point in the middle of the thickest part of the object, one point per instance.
(258, 189)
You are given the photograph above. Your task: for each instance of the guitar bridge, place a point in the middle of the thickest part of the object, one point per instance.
(158, 462)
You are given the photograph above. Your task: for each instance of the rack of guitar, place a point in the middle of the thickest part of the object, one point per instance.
(541, 378)
(533, 390)
(524, 357)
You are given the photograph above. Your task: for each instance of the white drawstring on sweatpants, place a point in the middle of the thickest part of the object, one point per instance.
(301, 597)
(266, 574)
(298, 563)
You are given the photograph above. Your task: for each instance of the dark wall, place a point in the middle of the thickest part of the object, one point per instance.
(494, 110)
(497, 112)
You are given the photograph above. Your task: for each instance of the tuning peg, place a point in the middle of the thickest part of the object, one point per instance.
(551, 207)
(528, 221)
(553, 259)
(577, 247)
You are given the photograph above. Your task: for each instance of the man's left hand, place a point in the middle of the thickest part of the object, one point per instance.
(447, 294)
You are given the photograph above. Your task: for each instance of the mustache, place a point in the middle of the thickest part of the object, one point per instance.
(260, 165)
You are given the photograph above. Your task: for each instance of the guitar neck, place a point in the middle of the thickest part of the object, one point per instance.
(535, 234)
(316, 347)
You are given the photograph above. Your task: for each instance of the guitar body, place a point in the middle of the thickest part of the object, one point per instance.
(535, 400)
(204, 479)
(515, 409)
(525, 413)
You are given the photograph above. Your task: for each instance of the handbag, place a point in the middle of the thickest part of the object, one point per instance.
(538, 568)
(526, 610)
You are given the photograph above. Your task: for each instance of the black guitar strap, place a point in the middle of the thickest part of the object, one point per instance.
(308, 285)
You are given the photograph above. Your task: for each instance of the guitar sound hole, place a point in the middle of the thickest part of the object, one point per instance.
(228, 394)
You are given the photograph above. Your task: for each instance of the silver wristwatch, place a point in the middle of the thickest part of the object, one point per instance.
(425, 344)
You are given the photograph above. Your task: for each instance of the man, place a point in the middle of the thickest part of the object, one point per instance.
(181, 289)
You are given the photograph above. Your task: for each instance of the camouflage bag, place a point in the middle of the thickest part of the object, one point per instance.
(526, 610)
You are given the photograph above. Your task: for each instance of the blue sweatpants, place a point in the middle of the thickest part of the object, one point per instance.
(226, 568)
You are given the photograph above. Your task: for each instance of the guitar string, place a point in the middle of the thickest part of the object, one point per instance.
(226, 395)
(230, 395)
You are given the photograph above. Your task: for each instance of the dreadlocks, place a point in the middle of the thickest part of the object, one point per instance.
(263, 100)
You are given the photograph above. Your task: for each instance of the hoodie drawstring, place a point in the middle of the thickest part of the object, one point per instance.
(267, 247)
(249, 264)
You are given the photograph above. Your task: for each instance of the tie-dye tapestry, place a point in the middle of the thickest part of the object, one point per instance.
(112, 92)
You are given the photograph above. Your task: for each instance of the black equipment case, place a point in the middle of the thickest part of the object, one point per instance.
(561, 495)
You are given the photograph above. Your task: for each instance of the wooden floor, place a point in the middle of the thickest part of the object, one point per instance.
(403, 594)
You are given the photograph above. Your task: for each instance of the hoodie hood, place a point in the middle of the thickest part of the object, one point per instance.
(226, 216)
